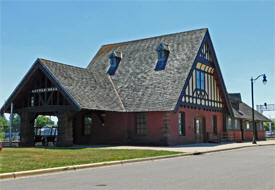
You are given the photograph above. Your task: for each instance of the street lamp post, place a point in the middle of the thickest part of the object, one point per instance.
(252, 95)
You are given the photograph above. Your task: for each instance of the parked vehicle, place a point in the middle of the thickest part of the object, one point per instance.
(269, 134)
(45, 135)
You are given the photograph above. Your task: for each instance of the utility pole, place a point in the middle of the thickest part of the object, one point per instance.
(11, 121)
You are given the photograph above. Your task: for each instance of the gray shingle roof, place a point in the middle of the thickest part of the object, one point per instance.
(138, 85)
(86, 88)
(245, 111)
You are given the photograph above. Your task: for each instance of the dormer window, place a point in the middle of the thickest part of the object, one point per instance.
(163, 53)
(115, 58)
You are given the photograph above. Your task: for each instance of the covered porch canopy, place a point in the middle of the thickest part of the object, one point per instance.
(40, 93)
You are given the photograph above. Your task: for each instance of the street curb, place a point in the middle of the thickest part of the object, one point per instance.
(110, 163)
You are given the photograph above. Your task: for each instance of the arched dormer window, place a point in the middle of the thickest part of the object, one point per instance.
(163, 53)
(115, 58)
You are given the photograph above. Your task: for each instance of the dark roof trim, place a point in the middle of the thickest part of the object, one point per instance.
(66, 93)
(37, 64)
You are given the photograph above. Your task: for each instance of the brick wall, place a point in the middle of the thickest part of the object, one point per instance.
(190, 115)
(162, 128)
(120, 128)
(113, 131)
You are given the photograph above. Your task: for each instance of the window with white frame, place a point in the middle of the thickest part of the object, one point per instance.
(247, 125)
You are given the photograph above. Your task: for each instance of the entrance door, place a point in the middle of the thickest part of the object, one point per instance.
(199, 129)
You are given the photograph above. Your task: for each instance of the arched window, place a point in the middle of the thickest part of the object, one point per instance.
(88, 122)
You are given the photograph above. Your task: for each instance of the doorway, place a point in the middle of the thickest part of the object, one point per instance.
(199, 129)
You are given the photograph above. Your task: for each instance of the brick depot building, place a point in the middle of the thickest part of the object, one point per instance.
(164, 90)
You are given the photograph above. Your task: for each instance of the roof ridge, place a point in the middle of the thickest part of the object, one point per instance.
(153, 37)
(48, 61)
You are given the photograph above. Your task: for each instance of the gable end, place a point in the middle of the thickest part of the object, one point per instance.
(204, 87)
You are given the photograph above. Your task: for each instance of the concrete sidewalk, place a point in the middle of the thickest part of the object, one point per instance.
(199, 147)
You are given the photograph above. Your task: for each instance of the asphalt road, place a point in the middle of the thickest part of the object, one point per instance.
(248, 168)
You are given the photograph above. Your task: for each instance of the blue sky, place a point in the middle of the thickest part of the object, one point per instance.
(71, 32)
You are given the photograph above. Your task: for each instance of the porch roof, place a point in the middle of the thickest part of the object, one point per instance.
(245, 112)
(86, 88)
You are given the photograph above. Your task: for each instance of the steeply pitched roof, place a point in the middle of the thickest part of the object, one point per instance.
(138, 85)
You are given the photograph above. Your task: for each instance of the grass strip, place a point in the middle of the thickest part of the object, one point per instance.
(22, 159)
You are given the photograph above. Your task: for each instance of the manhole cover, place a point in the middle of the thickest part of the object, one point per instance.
(101, 185)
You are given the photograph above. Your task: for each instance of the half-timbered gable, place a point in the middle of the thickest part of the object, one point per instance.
(204, 87)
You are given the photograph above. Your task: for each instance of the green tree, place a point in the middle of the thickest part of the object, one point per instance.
(266, 126)
(16, 123)
(42, 121)
(3, 123)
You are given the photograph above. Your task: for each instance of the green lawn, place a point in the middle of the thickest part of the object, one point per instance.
(20, 159)
(270, 138)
